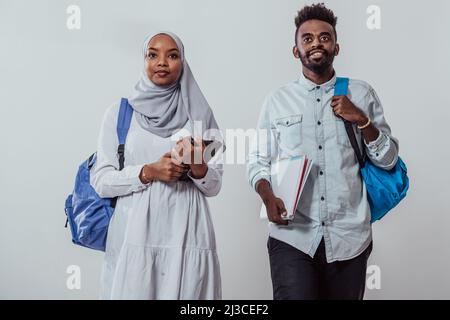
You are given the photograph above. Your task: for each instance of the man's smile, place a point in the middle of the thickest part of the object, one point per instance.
(316, 54)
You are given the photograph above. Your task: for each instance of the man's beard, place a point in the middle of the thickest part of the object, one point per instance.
(318, 67)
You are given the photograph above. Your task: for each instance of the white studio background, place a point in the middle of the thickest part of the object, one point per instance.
(56, 83)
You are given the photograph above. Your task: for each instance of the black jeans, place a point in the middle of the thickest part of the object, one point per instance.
(297, 276)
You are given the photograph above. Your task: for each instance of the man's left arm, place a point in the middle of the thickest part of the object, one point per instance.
(381, 147)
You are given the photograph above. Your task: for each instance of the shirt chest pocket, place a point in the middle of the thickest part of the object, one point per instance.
(289, 131)
(341, 133)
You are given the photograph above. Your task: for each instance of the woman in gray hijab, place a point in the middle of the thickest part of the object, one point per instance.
(161, 242)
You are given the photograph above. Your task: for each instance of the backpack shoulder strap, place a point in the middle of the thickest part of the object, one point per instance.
(341, 89)
(123, 125)
(341, 86)
(124, 120)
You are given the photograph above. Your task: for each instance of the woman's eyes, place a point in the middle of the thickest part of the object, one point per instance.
(172, 56)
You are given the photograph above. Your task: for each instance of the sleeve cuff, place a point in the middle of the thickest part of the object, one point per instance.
(378, 143)
(136, 181)
(200, 181)
(260, 176)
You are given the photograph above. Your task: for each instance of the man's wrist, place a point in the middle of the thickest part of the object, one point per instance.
(362, 121)
(264, 190)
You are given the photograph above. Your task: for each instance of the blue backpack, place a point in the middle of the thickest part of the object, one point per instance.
(385, 188)
(88, 214)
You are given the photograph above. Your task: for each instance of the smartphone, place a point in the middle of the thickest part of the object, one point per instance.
(210, 151)
(206, 142)
(211, 147)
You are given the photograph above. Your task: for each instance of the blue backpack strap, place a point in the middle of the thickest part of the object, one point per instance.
(123, 124)
(341, 87)
(124, 120)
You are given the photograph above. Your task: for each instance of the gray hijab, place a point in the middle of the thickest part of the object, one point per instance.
(165, 110)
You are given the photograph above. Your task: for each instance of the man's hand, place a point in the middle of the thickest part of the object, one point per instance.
(275, 210)
(274, 206)
(345, 109)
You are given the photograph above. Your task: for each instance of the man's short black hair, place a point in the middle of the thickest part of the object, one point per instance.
(316, 11)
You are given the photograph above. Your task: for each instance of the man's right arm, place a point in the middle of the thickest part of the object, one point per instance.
(262, 150)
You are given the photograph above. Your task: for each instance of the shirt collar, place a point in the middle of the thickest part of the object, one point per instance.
(310, 86)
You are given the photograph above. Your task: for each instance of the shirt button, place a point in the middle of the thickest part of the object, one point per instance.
(318, 87)
(320, 147)
(377, 154)
(203, 182)
(322, 198)
(321, 173)
(318, 100)
(319, 123)
(323, 223)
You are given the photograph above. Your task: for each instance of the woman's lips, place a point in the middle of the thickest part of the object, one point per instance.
(162, 73)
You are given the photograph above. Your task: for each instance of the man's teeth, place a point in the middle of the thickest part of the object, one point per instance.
(317, 54)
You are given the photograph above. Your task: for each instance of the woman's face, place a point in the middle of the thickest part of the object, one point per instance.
(163, 63)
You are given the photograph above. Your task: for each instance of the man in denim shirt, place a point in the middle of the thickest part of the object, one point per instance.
(323, 252)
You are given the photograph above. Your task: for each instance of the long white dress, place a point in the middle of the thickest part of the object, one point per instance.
(161, 242)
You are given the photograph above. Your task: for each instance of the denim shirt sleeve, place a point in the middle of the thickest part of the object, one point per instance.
(262, 147)
(383, 152)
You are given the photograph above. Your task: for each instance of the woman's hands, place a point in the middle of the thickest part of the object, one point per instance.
(172, 165)
(192, 155)
(166, 169)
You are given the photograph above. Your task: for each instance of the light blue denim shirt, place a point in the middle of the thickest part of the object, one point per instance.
(333, 205)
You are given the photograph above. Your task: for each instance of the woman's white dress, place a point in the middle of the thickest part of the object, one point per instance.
(161, 242)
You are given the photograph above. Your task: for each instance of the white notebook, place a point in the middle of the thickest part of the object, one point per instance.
(288, 179)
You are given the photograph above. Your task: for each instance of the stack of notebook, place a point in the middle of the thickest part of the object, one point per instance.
(288, 180)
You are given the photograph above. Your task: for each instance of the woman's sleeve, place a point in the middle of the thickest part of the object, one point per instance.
(211, 183)
(106, 178)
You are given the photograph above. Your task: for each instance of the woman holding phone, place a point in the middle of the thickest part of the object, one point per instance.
(161, 242)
